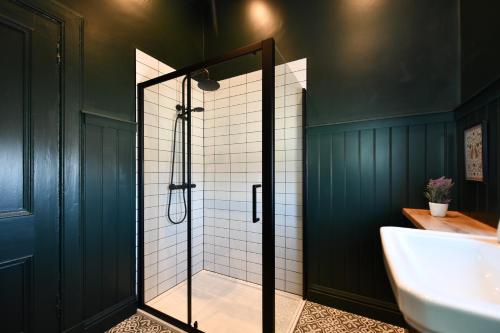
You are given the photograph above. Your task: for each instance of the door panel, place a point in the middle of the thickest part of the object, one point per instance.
(29, 171)
(14, 127)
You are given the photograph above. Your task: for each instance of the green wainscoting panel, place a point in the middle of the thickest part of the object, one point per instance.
(360, 175)
(108, 214)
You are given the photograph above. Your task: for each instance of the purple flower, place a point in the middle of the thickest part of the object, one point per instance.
(438, 190)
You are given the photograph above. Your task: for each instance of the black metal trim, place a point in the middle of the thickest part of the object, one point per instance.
(268, 238)
(252, 48)
(140, 194)
(183, 117)
(255, 219)
(188, 207)
(169, 319)
(304, 195)
(87, 113)
(110, 122)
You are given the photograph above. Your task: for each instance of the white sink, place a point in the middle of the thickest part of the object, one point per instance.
(444, 282)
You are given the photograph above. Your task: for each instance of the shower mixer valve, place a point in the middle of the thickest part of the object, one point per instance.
(180, 187)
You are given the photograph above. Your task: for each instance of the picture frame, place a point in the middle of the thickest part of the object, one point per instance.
(475, 152)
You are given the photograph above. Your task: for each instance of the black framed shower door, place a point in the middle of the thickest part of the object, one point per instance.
(267, 51)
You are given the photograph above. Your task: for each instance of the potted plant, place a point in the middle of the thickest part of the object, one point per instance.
(437, 192)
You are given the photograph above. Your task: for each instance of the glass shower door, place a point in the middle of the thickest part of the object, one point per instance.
(290, 84)
(227, 276)
(165, 199)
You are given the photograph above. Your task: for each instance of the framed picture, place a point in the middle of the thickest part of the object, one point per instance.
(476, 149)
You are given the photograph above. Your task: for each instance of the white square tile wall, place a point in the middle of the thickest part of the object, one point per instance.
(165, 247)
(233, 156)
(226, 155)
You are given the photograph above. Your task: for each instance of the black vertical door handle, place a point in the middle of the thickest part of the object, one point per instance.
(254, 203)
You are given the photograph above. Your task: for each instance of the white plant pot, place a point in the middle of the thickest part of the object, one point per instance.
(438, 209)
(498, 231)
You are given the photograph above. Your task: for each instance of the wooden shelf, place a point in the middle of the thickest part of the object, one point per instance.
(453, 222)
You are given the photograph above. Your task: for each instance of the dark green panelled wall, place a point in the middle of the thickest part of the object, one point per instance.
(108, 212)
(359, 177)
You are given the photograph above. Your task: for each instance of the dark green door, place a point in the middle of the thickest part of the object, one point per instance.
(29, 170)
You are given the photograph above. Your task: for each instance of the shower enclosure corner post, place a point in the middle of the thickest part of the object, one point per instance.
(304, 195)
(188, 207)
(268, 236)
(140, 194)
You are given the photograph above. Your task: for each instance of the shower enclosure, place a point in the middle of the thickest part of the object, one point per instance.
(217, 166)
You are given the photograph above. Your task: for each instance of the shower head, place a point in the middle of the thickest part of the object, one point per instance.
(205, 83)
(208, 84)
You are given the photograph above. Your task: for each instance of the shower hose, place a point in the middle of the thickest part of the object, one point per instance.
(169, 206)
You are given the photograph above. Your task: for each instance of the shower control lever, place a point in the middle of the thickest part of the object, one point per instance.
(254, 203)
(180, 187)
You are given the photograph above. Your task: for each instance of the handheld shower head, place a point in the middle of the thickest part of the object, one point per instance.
(179, 109)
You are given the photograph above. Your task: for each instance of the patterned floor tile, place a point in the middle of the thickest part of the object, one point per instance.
(140, 324)
(316, 318)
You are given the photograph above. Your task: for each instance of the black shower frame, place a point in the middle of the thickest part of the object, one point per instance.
(267, 49)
